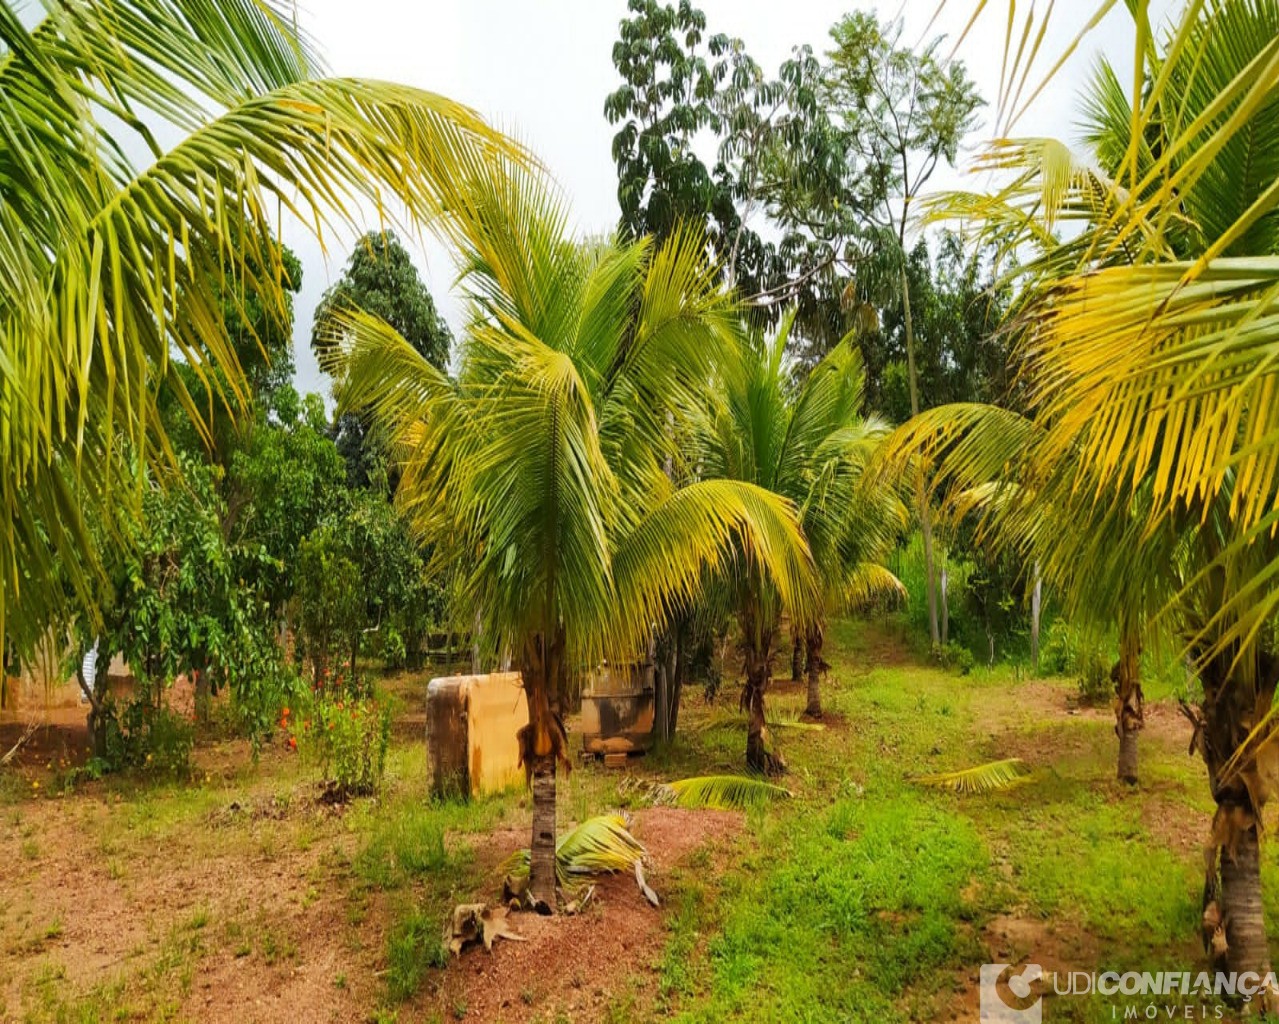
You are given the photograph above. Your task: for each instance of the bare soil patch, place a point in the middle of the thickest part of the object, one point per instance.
(579, 964)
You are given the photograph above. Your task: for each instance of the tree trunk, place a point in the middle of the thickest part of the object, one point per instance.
(1130, 712)
(543, 743)
(945, 605)
(677, 686)
(1036, 604)
(203, 699)
(925, 517)
(1241, 910)
(797, 641)
(1235, 695)
(758, 759)
(756, 753)
(541, 879)
(816, 666)
(98, 716)
(661, 695)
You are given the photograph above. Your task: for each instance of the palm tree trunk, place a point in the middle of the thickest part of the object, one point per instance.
(1129, 704)
(542, 850)
(944, 598)
(753, 699)
(1241, 906)
(816, 666)
(796, 654)
(677, 686)
(542, 743)
(1233, 698)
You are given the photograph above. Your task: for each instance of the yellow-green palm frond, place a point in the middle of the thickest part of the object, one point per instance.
(709, 526)
(113, 264)
(867, 584)
(721, 792)
(982, 778)
(599, 845)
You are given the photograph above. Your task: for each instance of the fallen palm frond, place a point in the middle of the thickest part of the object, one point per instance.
(983, 778)
(27, 733)
(782, 718)
(792, 718)
(598, 845)
(722, 792)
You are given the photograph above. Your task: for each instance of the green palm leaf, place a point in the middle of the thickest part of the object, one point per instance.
(983, 778)
(723, 792)
(599, 845)
(111, 264)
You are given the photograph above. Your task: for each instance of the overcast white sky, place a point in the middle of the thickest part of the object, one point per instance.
(540, 69)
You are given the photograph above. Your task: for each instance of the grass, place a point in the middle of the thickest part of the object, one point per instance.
(866, 899)
(863, 898)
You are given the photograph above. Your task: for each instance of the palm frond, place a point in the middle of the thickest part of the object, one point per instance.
(113, 264)
(723, 792)
(982, 778)
(599, 845)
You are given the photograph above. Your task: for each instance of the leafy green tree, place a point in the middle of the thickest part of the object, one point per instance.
(360, 577)
(380, 279)
(902, 112)
(118, 252)
(670, 74)
(281, 485)
(540, 467)
(180, 599)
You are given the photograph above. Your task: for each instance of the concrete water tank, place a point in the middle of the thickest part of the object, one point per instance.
(471, 722)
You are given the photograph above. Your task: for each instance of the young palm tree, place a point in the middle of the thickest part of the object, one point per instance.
(1152, 352)
(540, 467)
(809, 445)
(984, 462)
(149, 149)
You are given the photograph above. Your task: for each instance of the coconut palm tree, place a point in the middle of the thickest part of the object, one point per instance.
(807, 444)
(148, 150)
(1151, 351)
(983, 464)
(539, 469)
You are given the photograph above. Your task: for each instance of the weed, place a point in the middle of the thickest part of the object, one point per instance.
(414, 945)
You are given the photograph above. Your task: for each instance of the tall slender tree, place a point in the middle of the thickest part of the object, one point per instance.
(903, 112)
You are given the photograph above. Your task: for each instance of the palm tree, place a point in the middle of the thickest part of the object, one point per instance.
(118, 247)
(809, 445)
(983, 461)
(540, 467)
(1152, 353)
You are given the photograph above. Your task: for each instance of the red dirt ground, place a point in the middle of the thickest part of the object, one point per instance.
(611, 947)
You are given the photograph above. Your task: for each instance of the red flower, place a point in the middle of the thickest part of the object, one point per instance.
(293, 743)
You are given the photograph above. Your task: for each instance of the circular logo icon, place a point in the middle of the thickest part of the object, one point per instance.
(1013, 986)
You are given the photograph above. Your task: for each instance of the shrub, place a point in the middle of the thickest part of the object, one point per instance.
(351, 738)
(1070, 651)
(151, 737)
(957, 656)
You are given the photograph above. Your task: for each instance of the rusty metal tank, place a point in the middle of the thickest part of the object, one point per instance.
(617, 709)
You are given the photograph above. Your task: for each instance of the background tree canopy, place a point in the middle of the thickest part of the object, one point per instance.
(380, 279)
